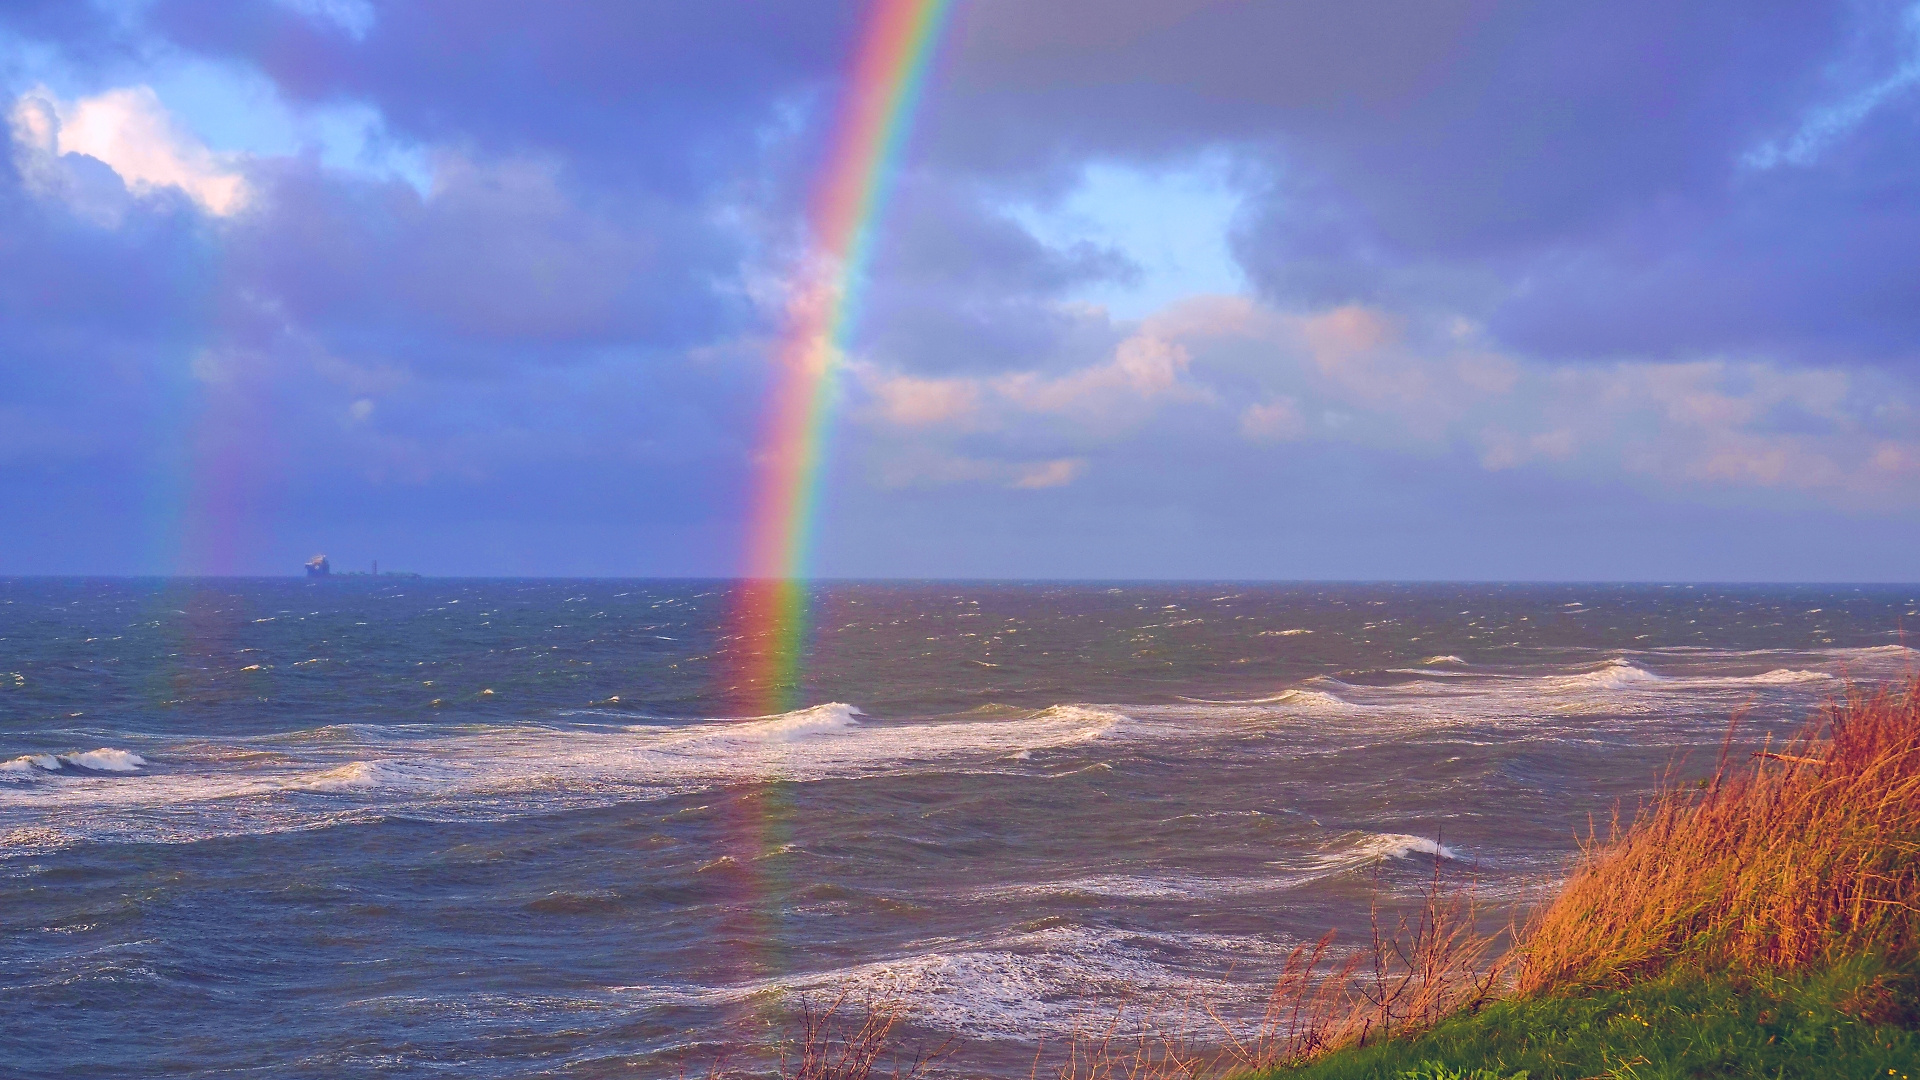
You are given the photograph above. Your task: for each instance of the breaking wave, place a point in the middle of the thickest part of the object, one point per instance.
(264, 784)
(372, 775)
(1378, 847)
(1047, 982)
(1615, 674)
(796, 726)
(105, 759)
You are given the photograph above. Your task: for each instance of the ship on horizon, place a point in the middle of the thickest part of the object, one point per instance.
(320, 567)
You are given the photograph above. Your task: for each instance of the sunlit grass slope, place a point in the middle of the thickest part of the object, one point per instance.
(1811, 857)
(1854, 1019)
(1766, 923)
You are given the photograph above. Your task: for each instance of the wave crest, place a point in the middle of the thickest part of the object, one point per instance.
(1615, 674)
(1378, 847)
(796, 726)
(105, 759)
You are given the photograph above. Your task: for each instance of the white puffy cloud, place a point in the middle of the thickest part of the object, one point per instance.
(1361, 376)
(132, 133)
(1142, 370)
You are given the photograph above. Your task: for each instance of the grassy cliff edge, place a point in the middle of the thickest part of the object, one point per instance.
(1765, 923)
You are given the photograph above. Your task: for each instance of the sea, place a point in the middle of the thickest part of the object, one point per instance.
(411, 827)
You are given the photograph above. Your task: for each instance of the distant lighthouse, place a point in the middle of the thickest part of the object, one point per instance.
(318, 566)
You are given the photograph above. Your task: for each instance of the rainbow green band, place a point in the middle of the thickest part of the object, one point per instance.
(773, 620)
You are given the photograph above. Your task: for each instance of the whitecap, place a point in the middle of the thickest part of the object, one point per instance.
(1085, 722)
(1447, 659)
(28, 764)
(1376, 847)
(1298, 697)
(105, 759)
(795, 726)
(1615, 674)
(374, 775)
(1127, 887)
(1785, 677)
(1301, 698)
(1045, 983)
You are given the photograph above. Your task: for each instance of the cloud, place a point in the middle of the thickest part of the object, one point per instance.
(1142, 370)
(927, 468)
(129, 131)
(1049, 474)
(353, 17)
(1272, 421)
(915, 402)
(1829, 123)
(1355, 376)
(1504, 282)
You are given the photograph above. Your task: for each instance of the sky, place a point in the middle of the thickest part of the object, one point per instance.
(1170, 289)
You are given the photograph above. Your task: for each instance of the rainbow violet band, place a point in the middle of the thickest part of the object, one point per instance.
(772, 618)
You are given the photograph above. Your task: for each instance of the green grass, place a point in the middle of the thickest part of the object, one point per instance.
(1853, 1020)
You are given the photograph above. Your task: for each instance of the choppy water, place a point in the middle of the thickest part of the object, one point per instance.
(282, 827)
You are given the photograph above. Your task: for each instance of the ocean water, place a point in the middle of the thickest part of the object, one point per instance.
(379, 827)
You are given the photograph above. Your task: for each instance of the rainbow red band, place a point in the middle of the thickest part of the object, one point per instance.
(773, 612)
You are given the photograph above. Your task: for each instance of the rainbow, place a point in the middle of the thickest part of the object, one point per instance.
(773, 613)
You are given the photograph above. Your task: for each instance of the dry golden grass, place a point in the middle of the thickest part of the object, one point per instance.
(1808, 855)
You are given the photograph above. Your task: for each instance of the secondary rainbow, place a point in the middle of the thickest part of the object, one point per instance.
(773, 617)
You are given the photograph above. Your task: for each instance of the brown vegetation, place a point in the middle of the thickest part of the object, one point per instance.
(1809, 855)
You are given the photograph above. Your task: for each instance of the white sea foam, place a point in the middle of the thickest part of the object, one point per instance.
(1448, 659)
(1046, 983)
(412, 776)
(251, 786)
(1615, 674)
(255, 785)
(106, 759)
(1375, 847)
(1082, 723)
(1297, 698)
(798, 725)
(1785, 677)
(1134, 887)
(29, 764)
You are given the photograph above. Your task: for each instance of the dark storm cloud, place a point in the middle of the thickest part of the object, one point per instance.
(1815, 263)
(958, 286)
(1574, 174)
(567, 328)
(91, 319)
(506, 263)
(673, 95)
